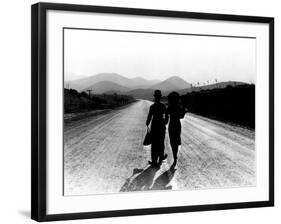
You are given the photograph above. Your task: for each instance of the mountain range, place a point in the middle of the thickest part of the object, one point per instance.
(112, 82)
(140, 88)
(107, 86)
(85, 83)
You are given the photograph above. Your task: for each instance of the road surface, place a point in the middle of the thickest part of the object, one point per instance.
(104, 154)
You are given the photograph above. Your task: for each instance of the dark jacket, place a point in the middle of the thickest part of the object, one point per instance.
(157, 116)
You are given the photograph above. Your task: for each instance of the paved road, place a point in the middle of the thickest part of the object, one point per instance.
(104, 154)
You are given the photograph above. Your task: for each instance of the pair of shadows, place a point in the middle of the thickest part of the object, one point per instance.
(144, 180)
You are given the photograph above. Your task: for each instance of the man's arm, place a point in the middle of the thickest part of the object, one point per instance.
(166, 114)
(149, 117)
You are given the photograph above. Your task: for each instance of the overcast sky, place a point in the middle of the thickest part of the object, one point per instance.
(159, 56)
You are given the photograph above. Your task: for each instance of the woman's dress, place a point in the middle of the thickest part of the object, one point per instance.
(176, 113)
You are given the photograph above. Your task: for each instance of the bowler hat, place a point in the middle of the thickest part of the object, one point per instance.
(157, 93)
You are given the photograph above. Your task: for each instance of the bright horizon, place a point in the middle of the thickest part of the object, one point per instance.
(159, 56)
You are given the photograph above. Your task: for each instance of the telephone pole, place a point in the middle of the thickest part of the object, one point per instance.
(90, 103)
(89, 92)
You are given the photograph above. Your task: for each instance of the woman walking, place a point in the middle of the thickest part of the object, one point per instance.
(158, 118)
(175, 112)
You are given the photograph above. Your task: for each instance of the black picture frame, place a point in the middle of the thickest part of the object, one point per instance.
(38, 108)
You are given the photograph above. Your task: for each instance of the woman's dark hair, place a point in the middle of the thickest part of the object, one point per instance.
(173, 98)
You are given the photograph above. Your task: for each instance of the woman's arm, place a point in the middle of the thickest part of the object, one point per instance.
(183, 110)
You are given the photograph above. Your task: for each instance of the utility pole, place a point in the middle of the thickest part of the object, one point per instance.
(89, 92)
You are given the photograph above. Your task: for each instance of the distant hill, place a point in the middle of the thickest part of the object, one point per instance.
(141, 93)
(171, 84)
(84, 83)
(211, 86)
(135, 83)
(148, 93)
(70, 76)
(106, 86)
(139, 82)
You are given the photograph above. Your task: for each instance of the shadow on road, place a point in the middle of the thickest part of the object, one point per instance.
(142, 180)
(163, 181)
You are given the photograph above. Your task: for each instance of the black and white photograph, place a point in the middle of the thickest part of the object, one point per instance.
(141, 111)
(155, 111)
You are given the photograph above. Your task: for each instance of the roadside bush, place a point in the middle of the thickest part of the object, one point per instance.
(234, 104)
